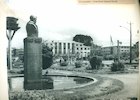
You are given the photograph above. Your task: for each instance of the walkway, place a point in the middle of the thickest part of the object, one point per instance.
(130, 87)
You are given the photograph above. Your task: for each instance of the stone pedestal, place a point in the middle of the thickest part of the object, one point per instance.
(32, 63)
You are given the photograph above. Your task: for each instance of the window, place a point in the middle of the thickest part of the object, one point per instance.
(85, 48)
(64, 48)
(68, 45)
(64, 45)
(55, 45)
(64, 51)
(60, 48)
(59, 45)
(73, 48)
(55, 48)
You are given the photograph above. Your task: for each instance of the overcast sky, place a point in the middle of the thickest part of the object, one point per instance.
(63, 19)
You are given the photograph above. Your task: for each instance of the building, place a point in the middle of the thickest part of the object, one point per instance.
(17, 52)
(136, 49)
(69, 48)
(107, 50)
(96, 50)
(115, 51)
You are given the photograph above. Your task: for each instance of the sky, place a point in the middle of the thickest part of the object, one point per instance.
(63, 19)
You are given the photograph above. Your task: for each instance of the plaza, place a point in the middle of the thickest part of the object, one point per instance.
(66, 52)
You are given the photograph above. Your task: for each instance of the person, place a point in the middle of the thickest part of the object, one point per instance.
(31, 27)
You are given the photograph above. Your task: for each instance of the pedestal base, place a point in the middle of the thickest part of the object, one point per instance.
(38, 85)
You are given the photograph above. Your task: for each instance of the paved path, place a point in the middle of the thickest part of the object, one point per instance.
(130, 87)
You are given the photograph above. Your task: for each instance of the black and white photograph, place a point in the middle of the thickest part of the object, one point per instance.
(69, 49)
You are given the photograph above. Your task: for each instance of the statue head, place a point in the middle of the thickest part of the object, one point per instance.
(31, 27)
(33, 18)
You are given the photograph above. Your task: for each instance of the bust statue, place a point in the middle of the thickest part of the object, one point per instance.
(31, 27)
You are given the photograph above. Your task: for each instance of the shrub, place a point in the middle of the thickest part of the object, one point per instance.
(88, 68)
(78, 64)
(95, 62)
(117, 66)
(64, 63)
(47, 56)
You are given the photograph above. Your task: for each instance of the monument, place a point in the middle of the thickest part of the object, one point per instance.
(33, 58)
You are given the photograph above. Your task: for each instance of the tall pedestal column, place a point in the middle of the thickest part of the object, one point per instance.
(32, 63)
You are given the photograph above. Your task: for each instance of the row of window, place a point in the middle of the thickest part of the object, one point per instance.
(105, 48)
(125, 50)
(83, 52)
(68, 44)
(80, 45)
(60, 51)
(83, 48)
(124, 46)
(120, 50)
(64, 50)
(60, 45)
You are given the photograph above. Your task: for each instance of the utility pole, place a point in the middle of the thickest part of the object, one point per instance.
(130, 31)
(10, 51)
(118, 50)
(92, 50)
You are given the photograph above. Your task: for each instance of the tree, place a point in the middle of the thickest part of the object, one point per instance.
(12, 27)
(83, 39)
(47, 56)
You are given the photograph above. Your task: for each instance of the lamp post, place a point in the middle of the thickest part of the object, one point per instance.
(130, 31)
(12, 27)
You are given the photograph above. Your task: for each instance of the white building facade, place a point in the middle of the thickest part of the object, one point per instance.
(69, 48)
(113, 50)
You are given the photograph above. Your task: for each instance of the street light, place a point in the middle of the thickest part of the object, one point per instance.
(130, 31)
(12, 27)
